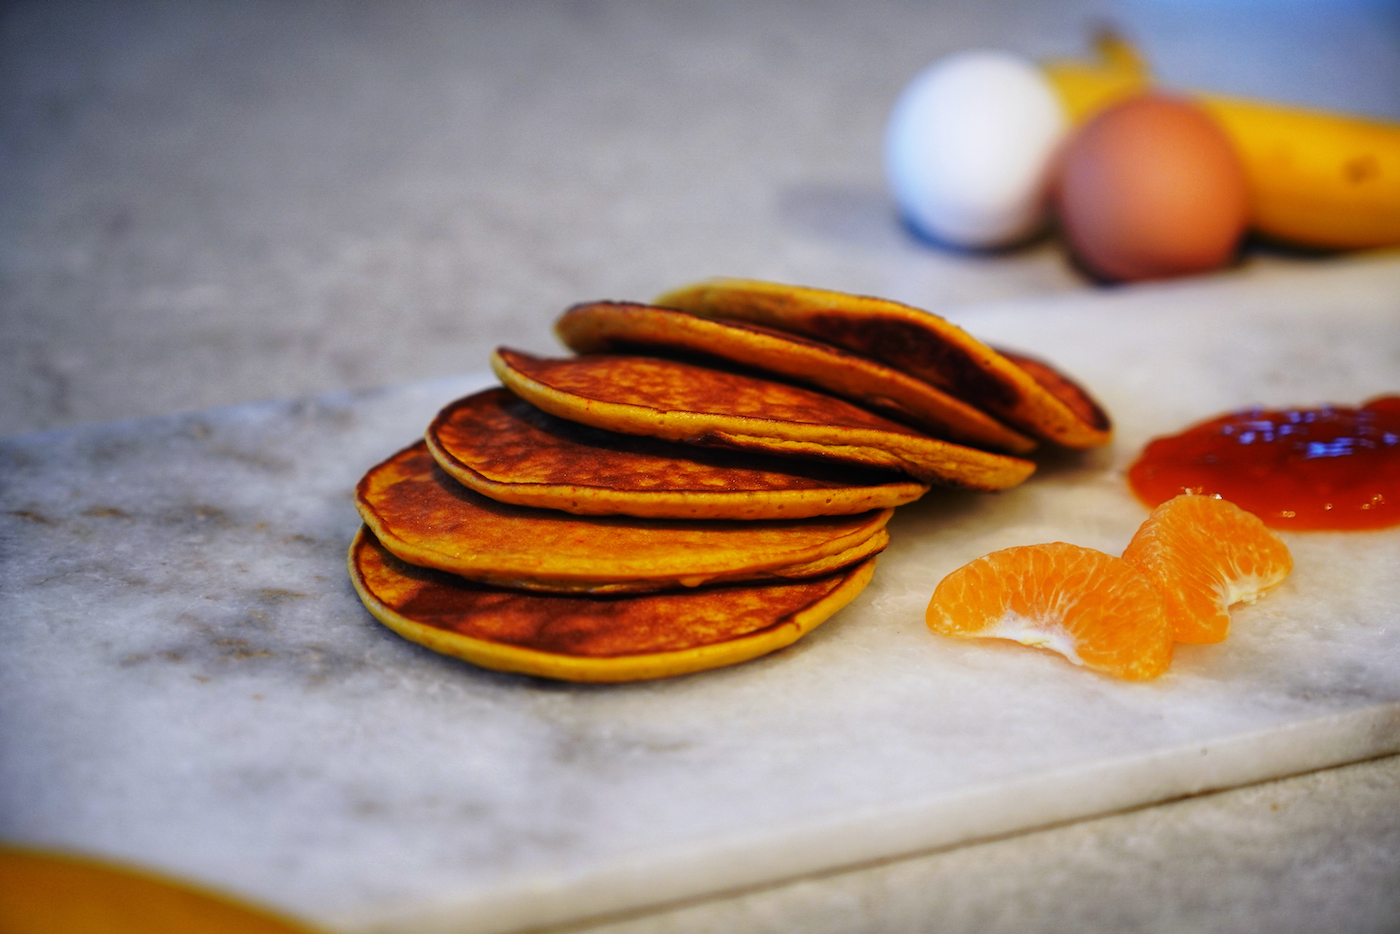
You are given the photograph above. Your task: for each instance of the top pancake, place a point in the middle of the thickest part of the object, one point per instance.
(916, 342)
(505, 448)
(426, 518)
(600, 327)
(697, 405)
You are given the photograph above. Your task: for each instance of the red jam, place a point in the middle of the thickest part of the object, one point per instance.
(1326, 468)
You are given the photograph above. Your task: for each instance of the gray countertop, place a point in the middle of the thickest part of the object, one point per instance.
(219, 203)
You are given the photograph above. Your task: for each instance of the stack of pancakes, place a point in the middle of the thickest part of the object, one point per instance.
(705, 482)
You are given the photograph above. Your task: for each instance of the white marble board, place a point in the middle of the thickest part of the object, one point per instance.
(188, 681)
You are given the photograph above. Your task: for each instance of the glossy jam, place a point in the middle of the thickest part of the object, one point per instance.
(1325, 468)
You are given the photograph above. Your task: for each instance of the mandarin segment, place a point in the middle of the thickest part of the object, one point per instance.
(1206, 554)
(1095, 609)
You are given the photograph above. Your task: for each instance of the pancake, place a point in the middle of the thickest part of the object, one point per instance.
(426, 518)
(593, 638)
(1042, 403)
(1074, 396)
(680, 401)
(505, 448)
(601, 327)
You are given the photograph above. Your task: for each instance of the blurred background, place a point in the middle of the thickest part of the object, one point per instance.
(204, 203)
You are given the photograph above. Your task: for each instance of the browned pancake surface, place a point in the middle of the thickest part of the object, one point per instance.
(909, 339)
(429, 519)
(602, 327)
(1060, 386)
(505, 448)
(672, 385)
(582, 625)
(699, 405)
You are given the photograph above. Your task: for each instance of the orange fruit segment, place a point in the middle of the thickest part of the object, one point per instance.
(1096, 610)
(1206, 554)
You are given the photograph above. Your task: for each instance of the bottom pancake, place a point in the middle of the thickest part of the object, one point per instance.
(594, 638)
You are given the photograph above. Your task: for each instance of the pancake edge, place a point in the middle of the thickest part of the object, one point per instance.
(926, 459)
(520, 576)
(405, 551)
(499, 656)
(582, 500)
(1041, 413)
(593, 327)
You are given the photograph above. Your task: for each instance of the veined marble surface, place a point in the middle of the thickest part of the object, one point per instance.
(189, 682)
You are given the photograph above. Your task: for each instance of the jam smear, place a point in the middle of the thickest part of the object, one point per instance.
(1332, 467)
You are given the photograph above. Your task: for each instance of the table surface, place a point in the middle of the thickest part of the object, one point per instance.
(224, 203)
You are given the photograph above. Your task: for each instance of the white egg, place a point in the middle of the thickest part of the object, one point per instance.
(968, 149)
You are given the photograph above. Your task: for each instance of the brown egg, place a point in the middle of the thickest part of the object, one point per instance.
(1151, 188)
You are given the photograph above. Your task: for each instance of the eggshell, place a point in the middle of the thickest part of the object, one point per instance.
(968, 148)
(1152, 188)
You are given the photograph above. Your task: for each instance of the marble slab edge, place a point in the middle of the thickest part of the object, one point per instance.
(736, 863)
(292, 492)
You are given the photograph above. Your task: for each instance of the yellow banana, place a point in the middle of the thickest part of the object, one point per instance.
(1316, 178)
(1086, 87)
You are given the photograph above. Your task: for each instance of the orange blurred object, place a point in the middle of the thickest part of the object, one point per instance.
(1095, 609)
(1205, 554)
(55, 893)
(1152, 188)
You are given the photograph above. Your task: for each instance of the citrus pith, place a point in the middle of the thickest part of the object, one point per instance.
(1206, 554)
(1095, 609)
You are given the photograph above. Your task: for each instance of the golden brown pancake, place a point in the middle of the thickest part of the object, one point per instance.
(602, 327)
(916, 342)
(697, 405)
(1065, 389)
(594, 638)
(426, 518)
(503, 447)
